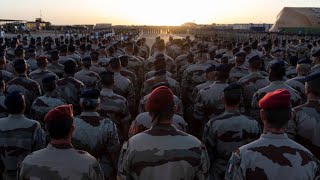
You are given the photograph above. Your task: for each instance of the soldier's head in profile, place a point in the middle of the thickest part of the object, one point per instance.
(59, 122)
(42, 62)
(15, 103)
(160, 105)
(90, 100)
(275, 109)
(255, 63)
(240, 58)
(313, 86)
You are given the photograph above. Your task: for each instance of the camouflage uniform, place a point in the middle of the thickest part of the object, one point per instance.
(32, 64)
(177, 103)
(171, 66)
(39, 74)
(130, 75)
(69, 89)
(251, 84)
(99, 137)
(143, 122)
(116, 108)
(163, 152)
(297, 83)
(43, 104)
(97, 68)
(147, 86)
(124, 87)
(181, 61)
(136, 66)
(304, 127)
(29, 88)
(63, 59)
(237, 72)
(199, 87)
(272, 156)
(60, 162)
(255, 110)
(58, 69)
(151, 74)
(223, 135)
(3, 108)
(89, 78)
(6, 75)
(19, 137)
(315, 69)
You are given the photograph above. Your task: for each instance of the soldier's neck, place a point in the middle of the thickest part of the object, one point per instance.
(61, 141)
(272, 130)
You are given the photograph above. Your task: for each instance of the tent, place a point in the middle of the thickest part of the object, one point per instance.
(298, 20)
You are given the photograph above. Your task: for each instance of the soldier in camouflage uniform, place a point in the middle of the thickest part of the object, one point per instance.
(19, 136)
(29, 88)
(95, 67)
(316, 62)
(122, 85)
(277, 72)
(292, 69)
(190, 61)
(240, 69)
(114, 106)
(297, 83)
(42, 71)
(43, 104)
(224, 134)
(63, 57)
(89, 78)
(163, 152)
(159, 64)
(69, 88)
(135, 65)
(32, 62)
(252, 82)
(182, 59)
(304, 126)
(96, 135)
(208, 103)
(127, 73)
(55, 66)
(59, 160)
(273, 156)
(6, 75)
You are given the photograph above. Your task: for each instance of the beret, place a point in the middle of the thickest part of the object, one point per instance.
(106, 74)
(211, 69)
(313, 76)
(254, 59)
(70, 63)
(241, 54)
(48, 79)
(277, 99)
(247, 48)
(160, 55)
(218, 56)
(19, 62)
(15, 96)
(63, 112)
(91, 94)
(316, 54)
(159, 99)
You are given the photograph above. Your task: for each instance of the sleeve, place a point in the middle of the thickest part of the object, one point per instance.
(199, 112)
(133, 130)
(39, 138)
(203, 171)
(112, 139)
(234, 171)
(126, 113)
(95, 172)
(209, 139)
(124, 163)
(255, 110)
(292, 126)
(131, 98)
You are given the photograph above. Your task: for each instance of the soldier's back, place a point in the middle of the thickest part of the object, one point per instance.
(273, 156)
(69, 89)
(163, 152)
(88, 78)
(6, 75)
(63, 162)
(58, 69)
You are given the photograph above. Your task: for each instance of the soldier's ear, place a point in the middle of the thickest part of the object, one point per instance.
(263, 116)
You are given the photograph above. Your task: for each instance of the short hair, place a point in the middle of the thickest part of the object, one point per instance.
(232, 97)
(278, 117)
(70, 67)
(55, 55)
(15, 107)
(255, 64)
(107, 80)
(21, 68)
(18, 52)
(59, 129)
(71, 48)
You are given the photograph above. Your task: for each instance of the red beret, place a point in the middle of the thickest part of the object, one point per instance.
(277, 99)
(62, 112)
(160, 98)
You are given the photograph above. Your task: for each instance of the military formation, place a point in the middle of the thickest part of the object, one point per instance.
(205, 108)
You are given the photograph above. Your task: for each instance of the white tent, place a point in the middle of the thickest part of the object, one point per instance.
(293, 17)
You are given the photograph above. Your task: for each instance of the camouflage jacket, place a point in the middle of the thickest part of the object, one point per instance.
(32, 64)
(171, 66)
(97, 68)
(272, 156)
(89, 78)
(143, 122)
(151, 74)
(29, 88)
(19, 137)
(163, 152)
(124, 87)
(6, 75)
(39, 74)
(58, 69)
(198, 88)
(223, 135)
(237, 72)
(147, 85)
(99, 137)
(304, 127)
(297, 83)
(60, 162)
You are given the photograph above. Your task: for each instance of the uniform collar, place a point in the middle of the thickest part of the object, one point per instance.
(60, 146)
(86, 113)
(274, 136)
(105, 91)
(277, 82)
(15, 116)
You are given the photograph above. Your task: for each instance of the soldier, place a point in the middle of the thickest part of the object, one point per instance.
(224, 134)
(252, 82)
(297, 83)
(114, 106)
(208, 102)
(18, 54)
(63, 57)
(134, 64)
(103, 56)
(277, 72)
(122, 85)
(43, 104)
(273, 155)
(96, 135)
(6, 75)
(89, 78)
(190, 61)
(292, 70)
(127, 73)
(278, 56)
(73, 55)
(29, 88)
(59, 160)
(20, 136)
(316, 62)
(182, 59)
(182, 156)
(69, 88)
(194, 75)
(95, 67)
(304, 127)
(32, 62)
(159, 64)
(240, 70)
(55, 66)
(42, 71)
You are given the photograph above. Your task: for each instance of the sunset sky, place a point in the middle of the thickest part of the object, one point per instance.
(149, 12)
